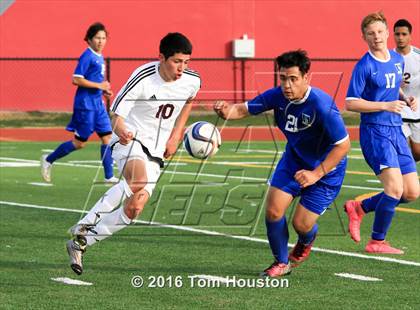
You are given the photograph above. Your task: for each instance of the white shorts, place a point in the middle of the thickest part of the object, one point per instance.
(124, 153)
(412, 130)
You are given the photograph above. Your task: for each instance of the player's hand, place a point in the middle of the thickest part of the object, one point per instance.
(171, 147)
(411, 102)
(105, 86)
(221, 108)
(108, 93)
(126, 137)
(395, 106)
(306, 178)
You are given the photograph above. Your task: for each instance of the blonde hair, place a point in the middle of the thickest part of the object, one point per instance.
(373, 17)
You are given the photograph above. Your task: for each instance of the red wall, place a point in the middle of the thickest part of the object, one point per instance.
(56, 29)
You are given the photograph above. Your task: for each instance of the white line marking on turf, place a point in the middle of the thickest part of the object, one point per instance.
(356, 277)
(211, 278)
(373, 181)
(186, 173)
(5, 164)
(47, 150)
(40, 184)
(71, 281)
(215, 233)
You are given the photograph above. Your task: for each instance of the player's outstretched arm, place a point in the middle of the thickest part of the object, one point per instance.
(230, 110)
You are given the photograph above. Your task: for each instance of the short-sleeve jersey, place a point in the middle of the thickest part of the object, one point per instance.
(150, 105)
(91, 66)
(411, 84)
(312, 125)
(374, 79)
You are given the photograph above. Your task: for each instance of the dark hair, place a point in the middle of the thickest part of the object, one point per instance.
(403, 23)
(173, 43)
(297, 58)
(93, 30)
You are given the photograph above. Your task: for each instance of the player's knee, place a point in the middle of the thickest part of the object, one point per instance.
(302, 226)
(394, 191)
(79, 144)
(136, 204)
(273, 214)
(137, 184)
(411, 194)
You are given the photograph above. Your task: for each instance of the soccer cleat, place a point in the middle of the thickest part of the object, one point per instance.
(111, 180)
(277, 270)
(45, 168)
(75, 249)
(81, 230)
(355, 214)
(300, 252)
(381, 247)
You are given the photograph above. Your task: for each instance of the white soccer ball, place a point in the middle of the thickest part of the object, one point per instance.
(202, 140)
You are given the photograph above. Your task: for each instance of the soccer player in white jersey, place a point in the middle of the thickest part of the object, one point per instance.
(375, 92)
(149, 115)
(411, 83)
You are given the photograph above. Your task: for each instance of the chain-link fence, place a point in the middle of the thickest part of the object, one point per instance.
(44, 84)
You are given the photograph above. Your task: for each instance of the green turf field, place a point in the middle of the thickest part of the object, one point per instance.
(214, 219)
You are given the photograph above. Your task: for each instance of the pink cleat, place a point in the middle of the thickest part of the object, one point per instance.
(382, 247)
(277, 270)
(355, 214)
(300, 253)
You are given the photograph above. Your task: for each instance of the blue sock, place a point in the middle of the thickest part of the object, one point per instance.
(107, 161)
(278, 236)
(309, 236)
(61, 151)
(369, 204)
(383, 216)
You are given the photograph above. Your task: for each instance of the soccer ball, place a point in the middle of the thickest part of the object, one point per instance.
(202, 140)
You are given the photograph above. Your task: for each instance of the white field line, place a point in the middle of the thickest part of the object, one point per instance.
(356, 277)
(71, 281)
(187, 173)
(40, 184)
(215, 233)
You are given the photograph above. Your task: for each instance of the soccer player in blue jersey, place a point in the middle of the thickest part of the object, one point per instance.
(313, 164)
(375, 92)
(89, 113)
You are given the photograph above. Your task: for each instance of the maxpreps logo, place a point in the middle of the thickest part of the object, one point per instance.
(398, 67)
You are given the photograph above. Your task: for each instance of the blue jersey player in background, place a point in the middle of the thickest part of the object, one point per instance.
(375, 92)
(89, 113)
(313, 164)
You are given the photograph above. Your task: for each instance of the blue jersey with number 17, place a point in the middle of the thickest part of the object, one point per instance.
(312, 125)
(374, 79)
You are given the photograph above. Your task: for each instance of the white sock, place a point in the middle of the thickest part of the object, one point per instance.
(108, 202)
(107, 225)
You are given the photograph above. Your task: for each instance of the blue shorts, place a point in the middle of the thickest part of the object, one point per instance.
(317, 197)
(84, 122)
(386, 147)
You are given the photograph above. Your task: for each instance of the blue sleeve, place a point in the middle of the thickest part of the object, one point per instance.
(82, 65)
(358, 81)
(333, 123)
(262, 103)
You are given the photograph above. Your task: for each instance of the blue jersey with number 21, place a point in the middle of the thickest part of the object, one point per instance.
(312, 125)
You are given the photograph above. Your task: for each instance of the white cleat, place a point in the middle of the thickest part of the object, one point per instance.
(75, 250)
(112, 180)
(45, 168)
